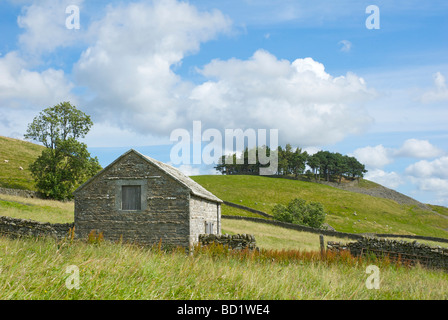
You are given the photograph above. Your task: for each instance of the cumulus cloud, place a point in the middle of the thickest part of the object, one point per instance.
(431, 176)
(379, 156)
(44, 24)
(299, 98)
(388, 179)
(374, 157)
(127, 74)
(19, 86)
(421, 149)
(439, 92)
(134, 82)
(128, 68)
(437, 168)
(25, 87)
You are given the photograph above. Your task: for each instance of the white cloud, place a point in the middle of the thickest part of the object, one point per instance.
(103, 131)
(128, 68)
(127, 74)
(299, 98)
(374, 157)
(439, 92)
(415, 148)
(388, 179)
(437, 187)
(431, 177)
(437, 168)
(379, 156)
(346, 45)
(19, 86)
(188, 170)
(44, 24)
(25, 88)
(311, 150)
(434, 184)
(134, 83)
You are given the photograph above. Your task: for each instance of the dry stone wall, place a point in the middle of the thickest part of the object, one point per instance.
(235, 241)
(405, 251)
(14, 227)
(19, 192)
(231, 204)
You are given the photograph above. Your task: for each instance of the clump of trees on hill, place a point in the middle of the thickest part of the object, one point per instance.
(323, 165)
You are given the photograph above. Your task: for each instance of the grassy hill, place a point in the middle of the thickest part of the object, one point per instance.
(357, 212)
(347, 211)
(18, 153)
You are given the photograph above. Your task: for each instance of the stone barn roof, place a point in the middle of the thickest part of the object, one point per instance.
(194, 187)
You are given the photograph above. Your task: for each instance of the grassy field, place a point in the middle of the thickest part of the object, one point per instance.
(288, 266)
(38, 269)
(268, 237)
(19, 154)
(373, 214)
(36, 209)
(276, 238)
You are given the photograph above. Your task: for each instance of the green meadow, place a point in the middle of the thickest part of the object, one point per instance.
(287, 266)
(346, 211)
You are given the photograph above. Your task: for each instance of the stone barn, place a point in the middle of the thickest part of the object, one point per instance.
(142, 200)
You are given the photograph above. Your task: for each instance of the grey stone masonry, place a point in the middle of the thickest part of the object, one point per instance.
(172, 208)
(19, 192)
(408, 252)
(14, 228)
(235, 241)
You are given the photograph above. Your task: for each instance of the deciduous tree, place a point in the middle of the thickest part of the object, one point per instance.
(65, 163)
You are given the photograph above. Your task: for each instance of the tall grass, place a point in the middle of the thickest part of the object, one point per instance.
(36, 269)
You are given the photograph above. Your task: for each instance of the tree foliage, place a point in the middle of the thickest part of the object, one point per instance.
(296, 162)
(298, 211)
(65, 163)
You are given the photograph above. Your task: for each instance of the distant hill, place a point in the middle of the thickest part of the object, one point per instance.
(18, 154)
(348, 211)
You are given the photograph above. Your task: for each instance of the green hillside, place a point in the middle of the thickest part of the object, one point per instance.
(347, 211)
(18, 153)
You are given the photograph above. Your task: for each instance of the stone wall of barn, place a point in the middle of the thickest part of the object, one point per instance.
(201, 212)
(165, 203)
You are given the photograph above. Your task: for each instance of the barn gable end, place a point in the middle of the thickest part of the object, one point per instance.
(139, 199)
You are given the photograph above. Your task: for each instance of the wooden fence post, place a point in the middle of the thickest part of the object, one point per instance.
(322, 245)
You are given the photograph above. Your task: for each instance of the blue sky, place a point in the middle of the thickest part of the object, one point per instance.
(311, 69)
